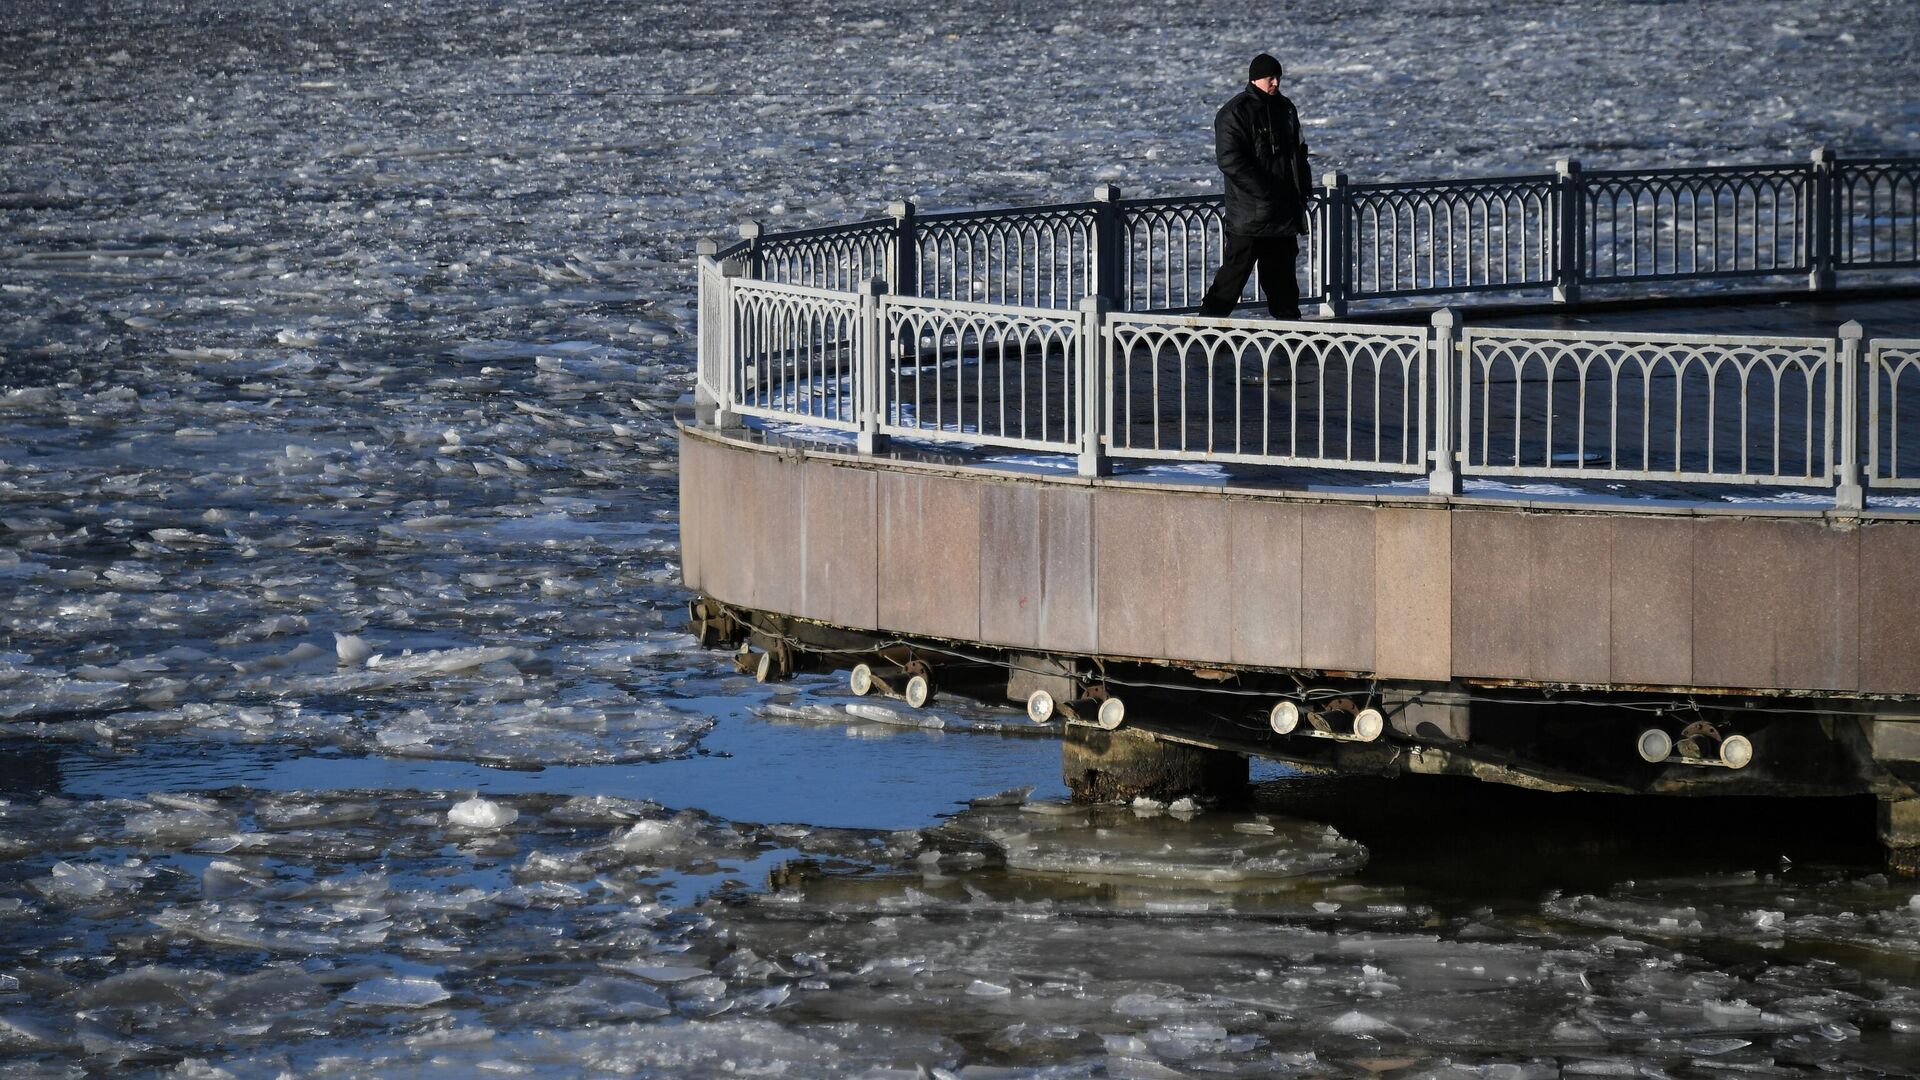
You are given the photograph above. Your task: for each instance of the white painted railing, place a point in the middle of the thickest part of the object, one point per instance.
(1686, 407)
(793, 353)
(1893, 381)
(1002, 376)
(1341, 395)
(1057, 329)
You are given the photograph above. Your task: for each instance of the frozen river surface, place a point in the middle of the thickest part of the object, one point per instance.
(346, 725)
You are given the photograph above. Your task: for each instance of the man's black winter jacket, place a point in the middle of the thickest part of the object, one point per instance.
(1257, 141)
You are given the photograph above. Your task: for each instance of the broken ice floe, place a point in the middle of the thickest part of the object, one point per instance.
(542, 733)
(1151, 970)
(309, 370)
(1877, 915)
(1207, 848)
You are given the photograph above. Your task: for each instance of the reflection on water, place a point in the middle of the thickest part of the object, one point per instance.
(1490, 841)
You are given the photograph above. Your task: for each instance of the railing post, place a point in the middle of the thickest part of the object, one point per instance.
(1569, 242)
(1822, 237)
(750, 232)
(906, 249)
(705, 400)
(1093, 416)
(724, 339)
(1109, 248)
(1847, 491)
(870, 367)
(1336, 270)
(1443, 476)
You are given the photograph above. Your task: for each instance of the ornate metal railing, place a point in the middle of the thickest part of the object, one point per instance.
(1542, 233)
(1342, 395)
(1695, 224)
(1448, 236)
(1893, 405)
(1877, 213)
(792, 353)
(1688, 407)
(838, 257)
(1005, 376)
(1169, 248)
(1042, 256)
(1057, 328)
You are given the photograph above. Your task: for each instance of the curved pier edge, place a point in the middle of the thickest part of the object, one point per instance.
(1646, 649)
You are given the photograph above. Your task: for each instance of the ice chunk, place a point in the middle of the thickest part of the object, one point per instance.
(600, 810)
(1714, 1047)
(299, 654)
(397, 992)
(350, 648)
(266, 628)
(78, 881)
(152, 985)
(294, 811)
(666, 973)
(127, 671)
(1355, 1022)
(1052, 808)
(223, 878)
(1125, 1044)
(771, 997)
(825, 714)
(20, 1033)
(1734, 1013)
(1144, 1004)
(1198, 1040)
(176, 800)
(178, 826)
(243, 927)
(599, 997)
(881, 714)
(452, 1036)
(654, 836)
(1010, 797)
(596, 729)
(479, 813)
(448, 661)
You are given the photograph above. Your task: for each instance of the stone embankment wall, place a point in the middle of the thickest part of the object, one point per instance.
(1405, 588)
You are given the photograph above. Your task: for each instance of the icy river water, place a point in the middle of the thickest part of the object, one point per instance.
(347, 725)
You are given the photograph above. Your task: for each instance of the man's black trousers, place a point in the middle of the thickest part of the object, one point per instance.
(1276, 256)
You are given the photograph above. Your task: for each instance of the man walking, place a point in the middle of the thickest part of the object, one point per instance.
(1258, 145)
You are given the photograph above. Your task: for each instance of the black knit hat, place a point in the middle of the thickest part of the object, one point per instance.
(1263, 66)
